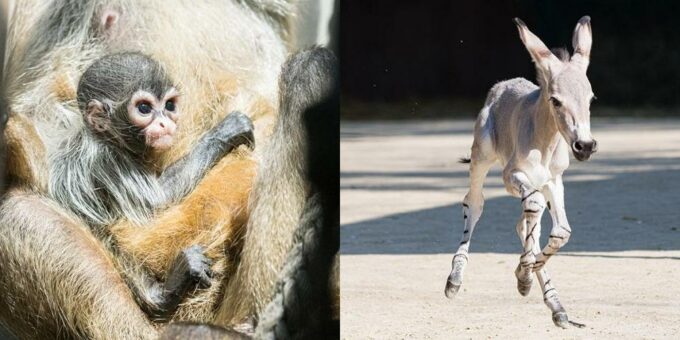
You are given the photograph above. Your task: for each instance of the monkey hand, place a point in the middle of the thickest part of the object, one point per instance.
(190, 269)
(235, 130)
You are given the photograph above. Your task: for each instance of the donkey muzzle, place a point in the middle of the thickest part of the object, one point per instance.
(582, 150)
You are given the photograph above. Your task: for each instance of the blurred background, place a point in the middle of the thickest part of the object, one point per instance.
(437, 59)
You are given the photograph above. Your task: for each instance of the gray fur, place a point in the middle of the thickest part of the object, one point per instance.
(101, 176)
(561, 53)
(58, 280)
(116, 77)
(100, 184)
(281, 183)
(301, 306)
(104, 176)
(529, 129)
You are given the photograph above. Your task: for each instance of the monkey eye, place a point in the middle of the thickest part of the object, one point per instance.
(556, 103)
(144, 108)
(170, 105)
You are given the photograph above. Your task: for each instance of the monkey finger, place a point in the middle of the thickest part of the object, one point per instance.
(205, 280)
(207, 261)
(237, 129)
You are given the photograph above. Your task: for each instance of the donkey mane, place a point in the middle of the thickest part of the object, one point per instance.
(561, 53)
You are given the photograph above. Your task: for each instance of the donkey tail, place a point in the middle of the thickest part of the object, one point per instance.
(464, 160)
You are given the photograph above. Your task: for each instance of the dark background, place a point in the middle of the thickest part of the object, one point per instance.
(419, 59)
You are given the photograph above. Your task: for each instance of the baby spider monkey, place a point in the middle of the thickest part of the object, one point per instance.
(105, 172)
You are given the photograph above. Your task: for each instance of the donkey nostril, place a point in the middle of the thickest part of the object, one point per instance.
(578, 146)
(594, 148)
(162, 125)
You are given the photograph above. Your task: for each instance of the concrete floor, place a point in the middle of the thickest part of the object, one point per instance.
(401, 189)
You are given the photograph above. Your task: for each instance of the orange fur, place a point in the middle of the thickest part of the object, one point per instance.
(213, 216)
(63, 87)
(26, 158)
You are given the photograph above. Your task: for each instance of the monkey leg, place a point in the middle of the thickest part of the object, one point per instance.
(57, 279)
(160, 299)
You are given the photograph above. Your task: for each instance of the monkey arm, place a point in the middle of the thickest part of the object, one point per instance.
(181, 177)
(213, 215)
(305, 303)
(281, 182)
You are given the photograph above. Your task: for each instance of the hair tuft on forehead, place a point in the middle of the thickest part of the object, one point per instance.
(116, 77)
(561, 53)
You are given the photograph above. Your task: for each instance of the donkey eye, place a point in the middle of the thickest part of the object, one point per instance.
(555, 102)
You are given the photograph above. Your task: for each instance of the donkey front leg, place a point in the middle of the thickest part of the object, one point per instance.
(551, 299)
(554, 192)
(528, 227)
(561, 231)
(472, 211)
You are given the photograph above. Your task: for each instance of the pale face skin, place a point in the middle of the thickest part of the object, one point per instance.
(156, 117)
(570, 97)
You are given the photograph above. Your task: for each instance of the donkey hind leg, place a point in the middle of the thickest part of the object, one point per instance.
(473, 205)
(528, 228)
(561, 231)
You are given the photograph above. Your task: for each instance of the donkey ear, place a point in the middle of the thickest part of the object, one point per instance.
(544, 59)
(582, 42)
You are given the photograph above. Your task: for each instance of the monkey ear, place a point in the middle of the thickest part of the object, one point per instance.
(109, 19)
(97, 115)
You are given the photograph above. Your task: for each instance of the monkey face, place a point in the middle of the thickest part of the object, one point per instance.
(156, 117)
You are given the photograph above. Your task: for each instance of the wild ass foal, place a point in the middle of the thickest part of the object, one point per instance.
(529, 129)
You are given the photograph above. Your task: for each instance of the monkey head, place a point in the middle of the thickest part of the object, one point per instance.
(156, 117)
(129, 100)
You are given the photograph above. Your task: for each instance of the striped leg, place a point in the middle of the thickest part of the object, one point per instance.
(529, 226)
(560, 233)
(472, 211)
(529, 231)
(551, 299)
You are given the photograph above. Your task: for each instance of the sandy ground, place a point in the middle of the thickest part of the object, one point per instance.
(401, 190)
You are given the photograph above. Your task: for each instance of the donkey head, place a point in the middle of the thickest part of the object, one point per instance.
(565, 85)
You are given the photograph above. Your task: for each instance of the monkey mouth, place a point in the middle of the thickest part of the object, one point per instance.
(161, 142)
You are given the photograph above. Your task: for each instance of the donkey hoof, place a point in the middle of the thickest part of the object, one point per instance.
(524, 280)
(451, 289)
(560, 319)
(524, 287)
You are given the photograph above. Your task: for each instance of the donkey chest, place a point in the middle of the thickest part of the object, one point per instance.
(542, 166)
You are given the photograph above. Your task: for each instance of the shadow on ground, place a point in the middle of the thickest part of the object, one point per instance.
(624, 211)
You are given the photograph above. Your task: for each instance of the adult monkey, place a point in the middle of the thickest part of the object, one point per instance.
(58, 280)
